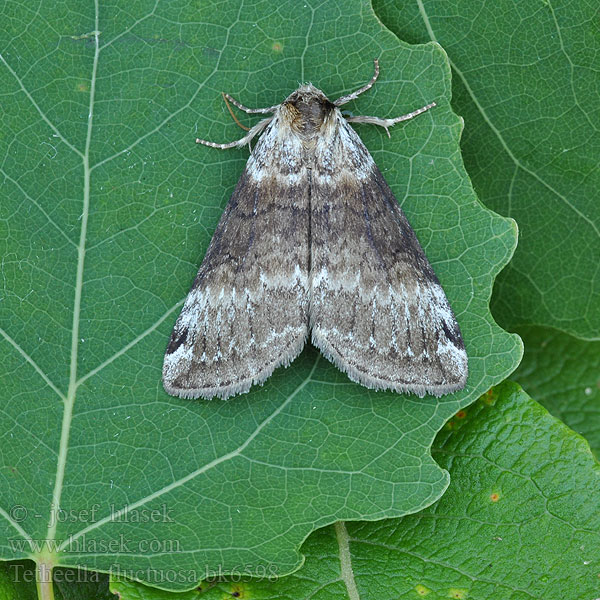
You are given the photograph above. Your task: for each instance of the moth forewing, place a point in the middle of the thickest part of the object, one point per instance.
(247, 311)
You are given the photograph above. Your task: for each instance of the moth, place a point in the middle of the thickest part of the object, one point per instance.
(313, 241)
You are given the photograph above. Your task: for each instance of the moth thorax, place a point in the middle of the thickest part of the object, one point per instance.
(308, 108)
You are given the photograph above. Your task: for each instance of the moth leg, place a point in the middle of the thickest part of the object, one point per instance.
(258, 128)
(263, 111)
(364, 88)
(387, 123)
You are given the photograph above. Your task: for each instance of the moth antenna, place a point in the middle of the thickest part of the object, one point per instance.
(364, 88)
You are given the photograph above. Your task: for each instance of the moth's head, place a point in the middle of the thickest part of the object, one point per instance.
(307, 109)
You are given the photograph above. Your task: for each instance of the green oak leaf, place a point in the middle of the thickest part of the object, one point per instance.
(108, 207)
(525, 80)
(563, 374)
(518, 522)
(14, 585)
(18, 582)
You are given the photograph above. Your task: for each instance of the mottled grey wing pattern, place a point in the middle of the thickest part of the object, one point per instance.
(377, 308)
(247, 311)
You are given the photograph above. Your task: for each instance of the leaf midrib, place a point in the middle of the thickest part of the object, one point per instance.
(72, 390)
(74, 383)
